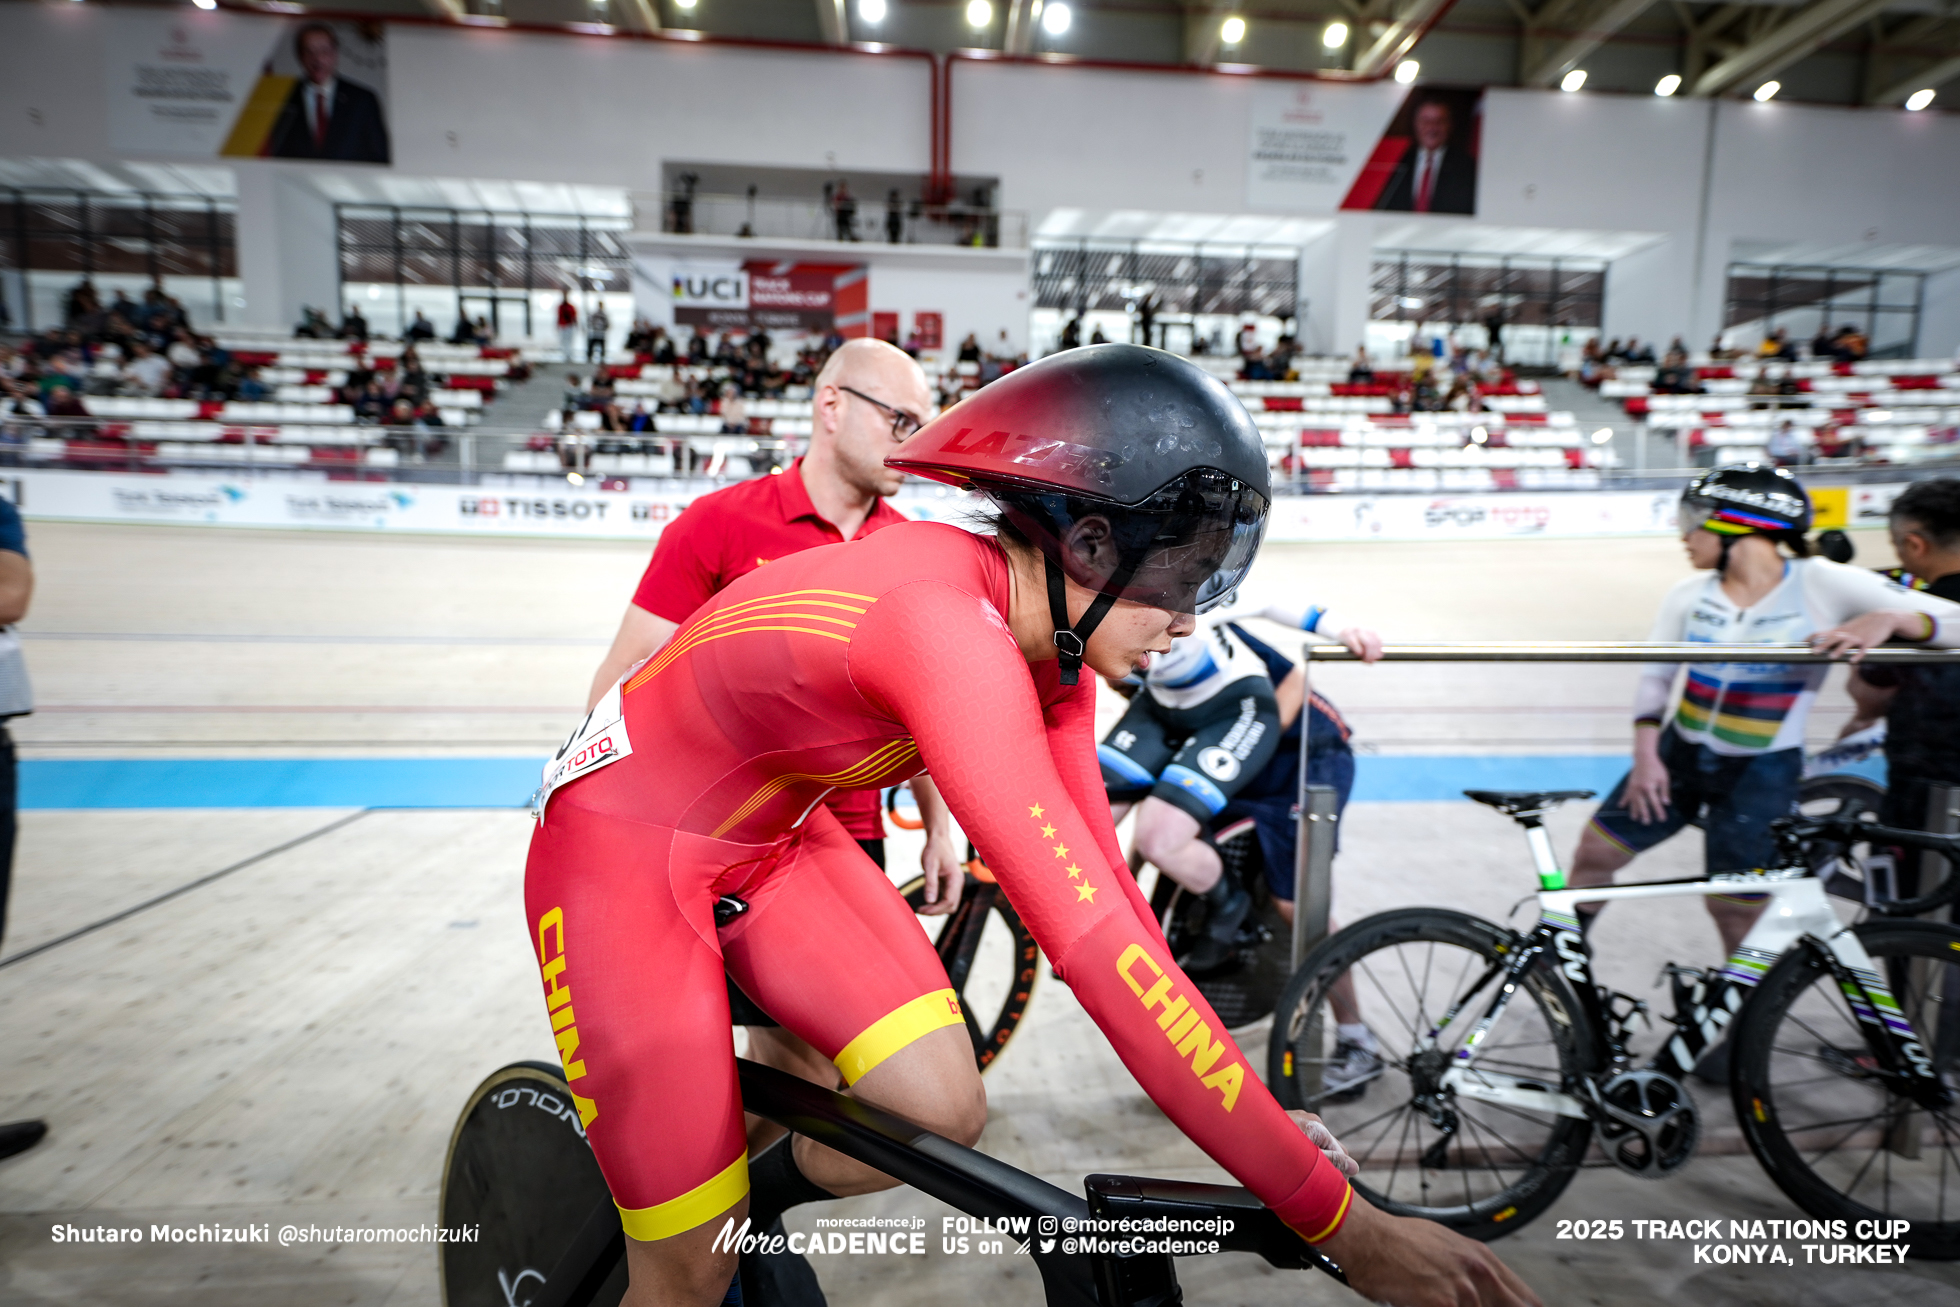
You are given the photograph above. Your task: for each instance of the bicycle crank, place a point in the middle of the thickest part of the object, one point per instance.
(1651, 1125)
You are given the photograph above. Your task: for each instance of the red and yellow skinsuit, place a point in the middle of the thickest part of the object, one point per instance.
(832, 668)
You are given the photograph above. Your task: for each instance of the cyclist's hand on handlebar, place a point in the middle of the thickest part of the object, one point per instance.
(1869, 629)
(1362, 643)
(945, 876)
(1648, 790)
(1405, 1262)
(1322, 1138)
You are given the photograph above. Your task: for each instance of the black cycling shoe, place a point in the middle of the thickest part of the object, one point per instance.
(1229, 905)
(19, 1136)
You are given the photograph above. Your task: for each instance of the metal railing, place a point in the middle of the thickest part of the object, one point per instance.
(1318, 829)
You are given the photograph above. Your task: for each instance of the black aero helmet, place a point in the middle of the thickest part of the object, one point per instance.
(1135, 472)
(1747, 499)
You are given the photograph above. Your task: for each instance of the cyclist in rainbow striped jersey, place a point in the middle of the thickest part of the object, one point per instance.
(1731, 758)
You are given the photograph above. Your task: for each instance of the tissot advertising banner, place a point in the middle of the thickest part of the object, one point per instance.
(188, 82)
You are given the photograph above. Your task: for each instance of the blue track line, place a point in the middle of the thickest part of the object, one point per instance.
(508, 782)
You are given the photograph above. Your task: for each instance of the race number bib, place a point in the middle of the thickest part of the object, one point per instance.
(599, 740)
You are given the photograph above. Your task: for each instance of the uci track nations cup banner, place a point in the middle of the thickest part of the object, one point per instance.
(204, 84)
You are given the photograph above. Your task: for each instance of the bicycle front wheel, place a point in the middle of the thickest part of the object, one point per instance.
(991, 958)
(1480, 1166)
(1818, 1110)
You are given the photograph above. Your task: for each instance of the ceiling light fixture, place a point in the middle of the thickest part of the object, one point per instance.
(1573, 80)
(1334, 35)
(979, 13)
(1668, 85)
(1405, 72)
(684, 4)
(872, 11)
(1920, 99)
(1767, 92)
(1055, 19)
(1232, 30)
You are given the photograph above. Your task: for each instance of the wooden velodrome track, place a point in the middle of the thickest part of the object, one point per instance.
(289, 1043)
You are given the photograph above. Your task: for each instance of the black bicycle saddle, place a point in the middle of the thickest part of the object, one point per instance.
(1513, 802)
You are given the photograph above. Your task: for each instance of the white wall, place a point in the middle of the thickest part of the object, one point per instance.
(981, 301)
(288, 254)
(493, 104)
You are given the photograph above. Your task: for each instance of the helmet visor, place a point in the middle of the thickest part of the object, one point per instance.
(1184, 549)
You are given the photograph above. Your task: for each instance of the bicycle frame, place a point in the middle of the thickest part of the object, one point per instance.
(1798, 915)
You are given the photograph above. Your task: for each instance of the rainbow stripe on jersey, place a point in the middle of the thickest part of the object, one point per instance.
(1747, 714)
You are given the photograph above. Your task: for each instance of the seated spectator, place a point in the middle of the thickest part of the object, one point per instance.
(353, 326)
(1361, 372)
(419, 329)
(250, 388)
(147, 372)
(485, 335)
(464, 332)
(1718, 352)
(1777, 345)
(1636, 352)
(663, 349)
(62, 402)
(734, 412)
(1851, 344)
(970, 349)
(697, 347)
(313, 324)
(575, 394)
(1786, 446)
(640, 419)
(1675, 376)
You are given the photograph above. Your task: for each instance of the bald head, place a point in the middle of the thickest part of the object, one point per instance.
(862, 388)
(864, 363)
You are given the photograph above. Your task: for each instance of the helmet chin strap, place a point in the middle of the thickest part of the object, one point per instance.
(1073, 641)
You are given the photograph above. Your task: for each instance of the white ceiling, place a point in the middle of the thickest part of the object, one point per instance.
(350, 186)
(1849, 254)
(1180, 228)
(1485, 238)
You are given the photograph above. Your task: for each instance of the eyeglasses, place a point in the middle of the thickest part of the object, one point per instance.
(903, 423)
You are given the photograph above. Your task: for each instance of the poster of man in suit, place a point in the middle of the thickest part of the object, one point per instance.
(320, 96)
(1426, 161)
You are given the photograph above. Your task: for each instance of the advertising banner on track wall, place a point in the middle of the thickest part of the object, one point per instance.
(188, 82)
(639, 508)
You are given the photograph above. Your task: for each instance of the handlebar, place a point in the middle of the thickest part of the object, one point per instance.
(1792, 832)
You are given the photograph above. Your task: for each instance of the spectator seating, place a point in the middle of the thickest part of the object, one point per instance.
(1886, 410)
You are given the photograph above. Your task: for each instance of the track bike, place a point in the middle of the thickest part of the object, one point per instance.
(519, 1169)
(1504, 1061)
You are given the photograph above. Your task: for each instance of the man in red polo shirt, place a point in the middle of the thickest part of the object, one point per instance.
(869, 396)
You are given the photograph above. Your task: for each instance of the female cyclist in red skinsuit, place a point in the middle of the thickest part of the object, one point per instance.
(1133, 491)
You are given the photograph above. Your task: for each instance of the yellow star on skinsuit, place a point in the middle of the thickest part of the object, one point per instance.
(1061, 850)
(1035, 811)
(1074, 872)
(1085, 891)
(1047, 832)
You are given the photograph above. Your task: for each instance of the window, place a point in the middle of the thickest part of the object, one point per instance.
(1808, 301)
(1539, 305)
(508, 267)
(121, 240)
(1193, 290)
